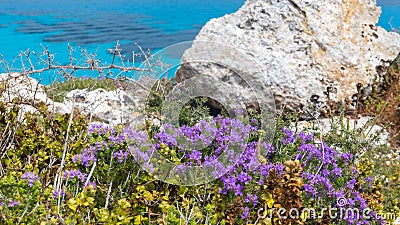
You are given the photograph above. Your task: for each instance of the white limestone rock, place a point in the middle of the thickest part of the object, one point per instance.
(24, 87)
(112, 107)
(301, 47)
(28, 90)
(369, 131)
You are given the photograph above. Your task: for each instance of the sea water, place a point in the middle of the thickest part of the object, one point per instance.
(96, 25)
(390, 17)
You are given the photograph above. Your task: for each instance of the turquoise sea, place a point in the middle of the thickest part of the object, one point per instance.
(96, 25)
(390, 17)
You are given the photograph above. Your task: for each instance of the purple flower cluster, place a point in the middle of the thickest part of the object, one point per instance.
(92, 184)
(111, 138)
(251, 199)
(57, 193)
(224, 148)
(30, 177)
(71, 174)
(215, 145)
(121, 155)
(13, 203)
(88, 156)
(289, 137)
(325, 172)
(248, 166)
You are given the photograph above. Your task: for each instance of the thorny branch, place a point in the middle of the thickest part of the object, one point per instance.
(32, 62)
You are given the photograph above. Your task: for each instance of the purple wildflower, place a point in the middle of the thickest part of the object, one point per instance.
(71, 174)
(195, 155)
(244, 177)
(30, 177)
(121, 155)
(248, 198)
(245, 213)
(13, 203)
(337, 172)
(56, 193)
(289, 137)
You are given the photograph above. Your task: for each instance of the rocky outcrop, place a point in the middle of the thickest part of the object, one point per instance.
(111, 107)
(27, 90)
(303, 48)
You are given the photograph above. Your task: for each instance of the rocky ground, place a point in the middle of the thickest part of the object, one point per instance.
(111, 107)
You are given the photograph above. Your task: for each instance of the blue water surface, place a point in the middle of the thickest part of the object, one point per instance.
(97, 25)
(390, 17)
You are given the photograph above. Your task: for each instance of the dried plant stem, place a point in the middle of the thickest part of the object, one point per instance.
(58, 181)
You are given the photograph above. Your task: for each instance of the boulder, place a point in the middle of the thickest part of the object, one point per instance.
(27, 89)
(111, 107)
(304, 49)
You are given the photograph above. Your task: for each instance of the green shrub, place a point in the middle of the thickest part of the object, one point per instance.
(46, 162)
(57, 90)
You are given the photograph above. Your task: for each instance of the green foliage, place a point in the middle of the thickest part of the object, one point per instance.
(157, 95)
(34, 144)
(125, 194)
(58, 89)
(190, 114)
(194, 111)
(383, 164)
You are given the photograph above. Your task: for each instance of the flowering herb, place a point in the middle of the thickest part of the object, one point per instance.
(30, 177)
